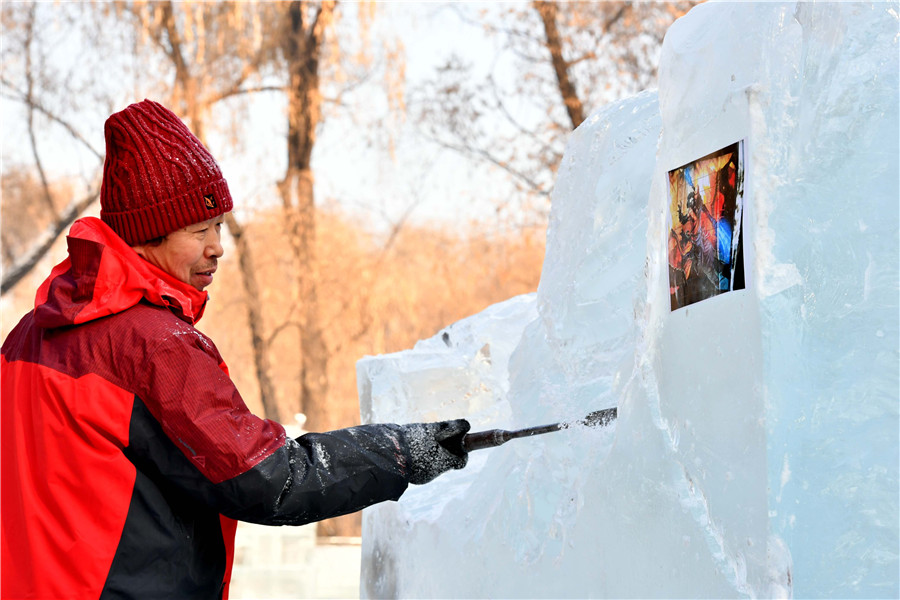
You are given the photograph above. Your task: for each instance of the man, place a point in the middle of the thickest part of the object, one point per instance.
(127, 453)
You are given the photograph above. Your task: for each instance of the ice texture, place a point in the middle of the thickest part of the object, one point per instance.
(756, 449)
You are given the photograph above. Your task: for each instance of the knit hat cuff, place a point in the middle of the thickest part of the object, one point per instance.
(140, 225)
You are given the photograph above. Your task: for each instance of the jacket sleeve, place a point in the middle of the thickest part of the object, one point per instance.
(192, 431)
(320, 475)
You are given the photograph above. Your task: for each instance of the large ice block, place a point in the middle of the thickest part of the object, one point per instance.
(756, 450)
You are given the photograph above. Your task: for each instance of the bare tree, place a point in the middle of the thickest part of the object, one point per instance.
(302, 46)
(559, 61)
(61, 205)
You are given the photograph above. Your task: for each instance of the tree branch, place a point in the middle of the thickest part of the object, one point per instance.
(242, 91)
(27, 262)
(29, 97)
(617, 16)
(23, 98)
(281, 327)
(484, 154)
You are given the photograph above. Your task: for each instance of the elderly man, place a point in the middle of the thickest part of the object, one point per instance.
(127, 453)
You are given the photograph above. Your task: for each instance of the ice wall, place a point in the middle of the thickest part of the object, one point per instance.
(756, 450)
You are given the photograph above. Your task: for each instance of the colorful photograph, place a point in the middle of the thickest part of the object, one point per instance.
(705, 246)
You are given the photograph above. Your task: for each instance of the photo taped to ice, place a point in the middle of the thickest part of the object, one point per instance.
(706, 198)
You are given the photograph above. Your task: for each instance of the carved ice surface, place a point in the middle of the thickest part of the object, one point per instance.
(756, 449)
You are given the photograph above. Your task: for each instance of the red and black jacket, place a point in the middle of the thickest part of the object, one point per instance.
(128, 454)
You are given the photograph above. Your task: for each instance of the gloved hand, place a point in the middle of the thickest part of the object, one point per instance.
(435, 448)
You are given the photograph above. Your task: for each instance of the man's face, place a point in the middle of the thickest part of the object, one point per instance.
(190, 254)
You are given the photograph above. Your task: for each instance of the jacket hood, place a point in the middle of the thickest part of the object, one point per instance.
(102, 276)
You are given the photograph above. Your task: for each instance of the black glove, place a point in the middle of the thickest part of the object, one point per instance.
(435, 448)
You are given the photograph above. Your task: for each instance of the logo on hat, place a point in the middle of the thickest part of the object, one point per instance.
(210, 201)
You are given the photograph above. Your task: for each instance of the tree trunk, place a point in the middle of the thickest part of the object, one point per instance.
(254, 317)
(547, 11)
(301, 48)
(302, 45)
(184, 94)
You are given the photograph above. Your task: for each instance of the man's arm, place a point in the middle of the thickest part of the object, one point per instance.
(196, 431)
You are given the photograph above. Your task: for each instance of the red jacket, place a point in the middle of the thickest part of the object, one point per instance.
(127, 452)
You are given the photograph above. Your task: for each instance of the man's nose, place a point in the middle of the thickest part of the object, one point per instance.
(214, 248)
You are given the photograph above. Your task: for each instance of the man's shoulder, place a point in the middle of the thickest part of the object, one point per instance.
(157, 323)
(144, 332)
(151, 314)
(142, 319)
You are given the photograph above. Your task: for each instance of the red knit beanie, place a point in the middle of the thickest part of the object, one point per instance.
(157, 177)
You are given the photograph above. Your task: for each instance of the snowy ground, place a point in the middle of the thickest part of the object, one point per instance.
(286, 562)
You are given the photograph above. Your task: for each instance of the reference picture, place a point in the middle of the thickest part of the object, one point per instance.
(706, 198)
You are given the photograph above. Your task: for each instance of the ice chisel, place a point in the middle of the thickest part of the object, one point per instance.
(496, 437)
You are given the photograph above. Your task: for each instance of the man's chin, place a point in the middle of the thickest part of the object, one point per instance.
(201, 281)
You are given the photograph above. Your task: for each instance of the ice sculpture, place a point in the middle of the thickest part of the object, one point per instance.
(756, 450)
